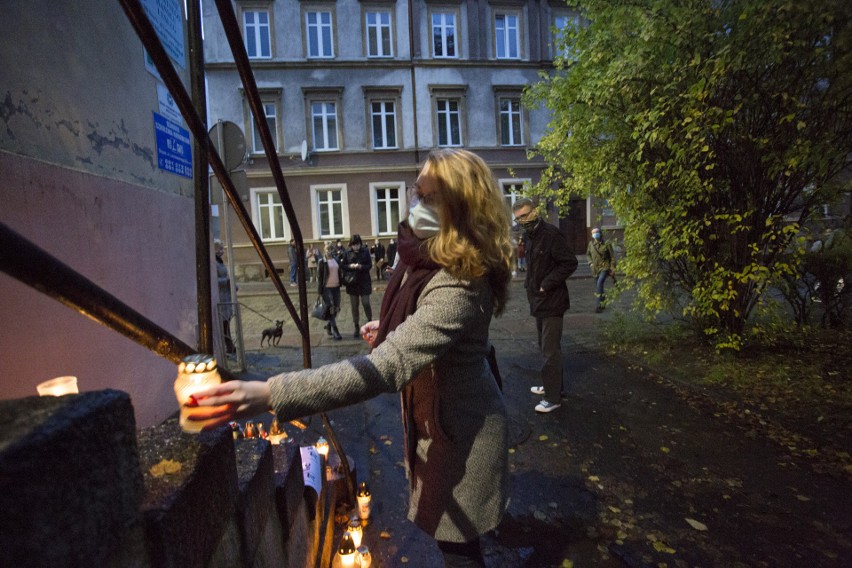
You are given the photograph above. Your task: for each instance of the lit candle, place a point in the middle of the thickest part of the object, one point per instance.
(195, 373)
(322, 447)
(58, 386)
(364, 556)
(356, 532)
(364, 500)
(346, 552)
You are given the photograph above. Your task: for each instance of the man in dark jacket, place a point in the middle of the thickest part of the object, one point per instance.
(549, 264)
(356, 265)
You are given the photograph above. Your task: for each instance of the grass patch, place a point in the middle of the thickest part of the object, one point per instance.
(803, 374)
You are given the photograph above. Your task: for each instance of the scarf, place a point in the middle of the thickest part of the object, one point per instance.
(416, 269)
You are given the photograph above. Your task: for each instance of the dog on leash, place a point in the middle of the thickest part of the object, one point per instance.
(272, 335)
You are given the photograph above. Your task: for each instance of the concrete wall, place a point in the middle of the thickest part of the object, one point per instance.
(81, 180)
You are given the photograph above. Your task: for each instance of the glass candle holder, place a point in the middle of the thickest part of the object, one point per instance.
(346, 552)
(355, 531)
(364, 500)
(195, 373)
(58, 386)
(363, 555)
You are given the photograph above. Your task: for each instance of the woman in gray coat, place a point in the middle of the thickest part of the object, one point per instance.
(431, 345)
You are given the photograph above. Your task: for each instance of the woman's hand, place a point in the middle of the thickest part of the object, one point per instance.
(369, 331)
(229, 401)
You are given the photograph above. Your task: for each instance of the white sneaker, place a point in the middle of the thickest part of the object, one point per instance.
(545, 406)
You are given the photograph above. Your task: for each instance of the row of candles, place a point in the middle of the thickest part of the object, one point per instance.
(351, 552)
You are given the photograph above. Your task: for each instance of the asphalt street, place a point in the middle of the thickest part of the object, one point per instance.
(633, 470)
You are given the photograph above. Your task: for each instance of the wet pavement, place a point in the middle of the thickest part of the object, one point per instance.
(633, 470)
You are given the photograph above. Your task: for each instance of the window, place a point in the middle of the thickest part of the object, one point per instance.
(444, 34)
(379, 43)
(506, 36)
(387, 206)
(561, 24)
(318, 25)
(270, 221)
(328, 204)
(449, 122)
(256, 30)
(383, 119)
(324, 121)
(511, 130)
(512, 191)
(271, 122)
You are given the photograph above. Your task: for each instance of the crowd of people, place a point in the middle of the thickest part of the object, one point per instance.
(448, 272)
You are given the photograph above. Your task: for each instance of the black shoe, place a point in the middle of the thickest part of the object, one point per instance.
(336, 334)
(598, 310)
(327, 328)
(356, 334)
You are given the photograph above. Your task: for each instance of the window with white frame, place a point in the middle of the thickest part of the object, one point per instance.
(379, 37)
(257, 33)
(507, 36)
(388, 203)
(561, 23)
(383, 120)
(319, 34)
(269, 219)
(444, 34)
(512, 191)
(511, 122)
(324, 125)
(329, 204)
(271, 111)
(448, 118)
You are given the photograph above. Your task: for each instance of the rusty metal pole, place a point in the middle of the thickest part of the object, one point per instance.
(201, 182)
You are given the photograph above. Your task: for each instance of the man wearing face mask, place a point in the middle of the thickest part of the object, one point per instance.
(549, 264)
(356, 265)
(602, 261)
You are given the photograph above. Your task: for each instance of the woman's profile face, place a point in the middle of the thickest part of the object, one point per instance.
(425, 191)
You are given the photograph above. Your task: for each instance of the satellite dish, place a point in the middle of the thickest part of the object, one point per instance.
(304, 150)
(233, 143)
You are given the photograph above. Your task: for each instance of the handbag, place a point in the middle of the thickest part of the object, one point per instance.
(319, 310)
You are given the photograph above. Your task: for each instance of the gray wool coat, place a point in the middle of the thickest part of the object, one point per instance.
(458, 460)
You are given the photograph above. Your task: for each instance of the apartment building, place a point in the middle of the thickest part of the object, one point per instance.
(367, 89)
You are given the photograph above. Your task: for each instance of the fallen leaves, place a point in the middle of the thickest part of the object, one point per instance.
(165, 467)
(697, 525)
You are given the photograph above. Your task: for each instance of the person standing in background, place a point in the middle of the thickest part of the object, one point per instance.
(378, 252)
(602, 261)
(550, 264)
(356, 265)
(328, 286)
(226, 302)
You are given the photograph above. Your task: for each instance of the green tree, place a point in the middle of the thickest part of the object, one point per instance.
(713, 128)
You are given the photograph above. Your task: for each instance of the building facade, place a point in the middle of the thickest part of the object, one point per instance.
(369, 88)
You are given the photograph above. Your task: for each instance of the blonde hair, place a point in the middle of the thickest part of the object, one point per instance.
(474, 238)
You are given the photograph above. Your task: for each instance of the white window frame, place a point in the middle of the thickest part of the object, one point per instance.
(260, 211)
(271, 122)
(507, 37)
(316, 191)
(382, 31)
(445, 116)
(384, 115)
(323, 31)
(560, 22)
(506, 122)
(444, 27)
(325, 116)
(400, 201)
(510, 196)
(256, 31)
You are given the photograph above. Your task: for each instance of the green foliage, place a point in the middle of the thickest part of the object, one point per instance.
(713, 129)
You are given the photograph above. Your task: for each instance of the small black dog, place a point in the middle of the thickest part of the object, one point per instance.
(272, 335)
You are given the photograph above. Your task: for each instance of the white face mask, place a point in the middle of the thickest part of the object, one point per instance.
(424, 221)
